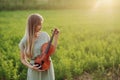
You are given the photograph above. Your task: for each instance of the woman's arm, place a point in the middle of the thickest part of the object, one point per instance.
(26, 63)
(56, 39)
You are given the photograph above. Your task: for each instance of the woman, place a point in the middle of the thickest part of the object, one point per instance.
(30, 46)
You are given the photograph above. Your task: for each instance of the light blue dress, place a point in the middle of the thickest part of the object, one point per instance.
(32, 74)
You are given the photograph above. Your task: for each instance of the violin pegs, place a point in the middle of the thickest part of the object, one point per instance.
(55, 30)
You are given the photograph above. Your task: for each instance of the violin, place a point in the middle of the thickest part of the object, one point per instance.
(43, 61)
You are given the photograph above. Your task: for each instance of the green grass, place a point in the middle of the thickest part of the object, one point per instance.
(89, 41)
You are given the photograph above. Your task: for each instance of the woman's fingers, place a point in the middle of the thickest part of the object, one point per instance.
(36, 68)
(57, 31)
(35, 65)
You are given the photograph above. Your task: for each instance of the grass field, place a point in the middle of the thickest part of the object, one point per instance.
(89, 42)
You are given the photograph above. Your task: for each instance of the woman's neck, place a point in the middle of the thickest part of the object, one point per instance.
(36, 34)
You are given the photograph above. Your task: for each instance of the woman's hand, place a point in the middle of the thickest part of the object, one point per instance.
(23, 60)
(56, 36)
(34, 67)
(57, 31)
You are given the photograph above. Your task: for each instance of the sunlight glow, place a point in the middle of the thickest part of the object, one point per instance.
(103, 4)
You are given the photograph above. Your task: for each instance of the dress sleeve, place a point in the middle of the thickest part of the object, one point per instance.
(22, 45)
(45, 36)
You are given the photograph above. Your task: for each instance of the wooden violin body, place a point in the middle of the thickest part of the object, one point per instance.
(43, 60)
(47, 49)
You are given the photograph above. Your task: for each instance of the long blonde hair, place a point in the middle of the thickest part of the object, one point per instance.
(32, 22)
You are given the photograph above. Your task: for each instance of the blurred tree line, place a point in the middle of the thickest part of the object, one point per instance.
(43, 4)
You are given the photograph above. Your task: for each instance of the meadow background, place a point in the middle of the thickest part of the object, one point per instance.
(89, 41)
